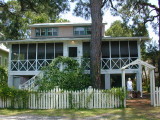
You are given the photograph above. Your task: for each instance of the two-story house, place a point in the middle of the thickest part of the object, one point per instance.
(50, 40)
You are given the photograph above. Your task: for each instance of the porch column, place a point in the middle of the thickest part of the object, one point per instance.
(10, 77)
(151, 86)
(107, 81)
(123, 84)
(123, 78)
(140, 80)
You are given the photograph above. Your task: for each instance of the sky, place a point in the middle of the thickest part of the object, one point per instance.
(107, 18)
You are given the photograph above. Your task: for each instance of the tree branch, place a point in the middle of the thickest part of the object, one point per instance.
(104, 2)
(112, 5)
(151, 19)
(150, 5)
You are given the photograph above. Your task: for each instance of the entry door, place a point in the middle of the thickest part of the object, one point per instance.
(72, 52)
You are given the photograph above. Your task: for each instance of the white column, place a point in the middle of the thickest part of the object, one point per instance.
(10, 78)
(139, 49)
(107, 81)
(65, 49)
(140, 79)
(123, 78)
(151, 86)
(123, 84)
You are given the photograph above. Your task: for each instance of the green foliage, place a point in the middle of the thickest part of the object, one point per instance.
(118, 92)
(65, 73)
(3, 76)
(17, 15)
(17, 97)
(118, 29)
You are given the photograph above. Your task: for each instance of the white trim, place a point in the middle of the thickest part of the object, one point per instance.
(59, 39)
(138, 61)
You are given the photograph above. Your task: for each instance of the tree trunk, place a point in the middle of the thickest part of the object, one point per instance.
(95, 46)
(159, 44)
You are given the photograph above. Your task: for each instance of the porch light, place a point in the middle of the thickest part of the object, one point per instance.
(73, 42)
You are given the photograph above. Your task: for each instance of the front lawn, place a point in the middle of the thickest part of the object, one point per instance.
(147, 113)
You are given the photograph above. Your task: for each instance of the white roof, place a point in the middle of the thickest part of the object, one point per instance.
(4, 48)
(59, 24)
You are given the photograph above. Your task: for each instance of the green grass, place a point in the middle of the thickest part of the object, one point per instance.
(148, 113)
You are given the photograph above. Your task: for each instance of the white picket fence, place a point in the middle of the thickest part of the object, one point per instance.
(157, 96)
(62, 99)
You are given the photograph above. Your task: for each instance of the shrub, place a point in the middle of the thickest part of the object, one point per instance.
(3, 76)
(70, 77)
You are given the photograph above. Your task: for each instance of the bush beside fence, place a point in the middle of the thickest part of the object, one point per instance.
(63, 99)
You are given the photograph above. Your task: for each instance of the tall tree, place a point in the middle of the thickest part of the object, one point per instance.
(94, 9)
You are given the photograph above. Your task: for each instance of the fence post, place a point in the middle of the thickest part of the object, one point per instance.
(90, 101)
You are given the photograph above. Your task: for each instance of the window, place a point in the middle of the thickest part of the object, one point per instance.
(38, 31)
(49, 31)
(82, 30)
(43, 31)
(32, 51)
(23, 51)
(86, 49)
(115, 49)
(133, 48)
(79, 31)
(41, 51)
(46, 31)
(49, 50)
(15, 52)
(58, 49)
(72, 51)
(105, 49)
(55, 31)
(124, 49)
(88, 30)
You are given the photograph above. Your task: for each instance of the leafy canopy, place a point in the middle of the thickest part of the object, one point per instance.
(17, 15)
(119, 29)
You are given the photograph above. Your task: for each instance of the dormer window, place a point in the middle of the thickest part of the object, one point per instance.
(82, 30)
(46, 31)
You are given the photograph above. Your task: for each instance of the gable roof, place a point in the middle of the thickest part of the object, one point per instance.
(139, 62)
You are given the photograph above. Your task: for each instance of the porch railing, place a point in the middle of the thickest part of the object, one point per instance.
(106, 63)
